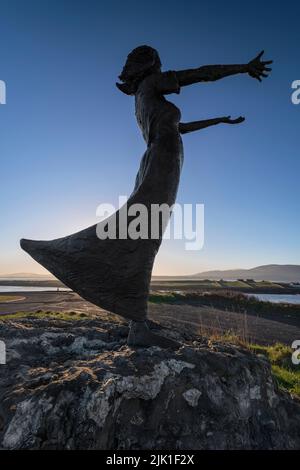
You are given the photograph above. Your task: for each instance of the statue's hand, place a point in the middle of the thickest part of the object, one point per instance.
(256, 68)
(228, 120)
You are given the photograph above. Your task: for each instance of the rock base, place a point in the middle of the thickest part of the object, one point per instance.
(77, 385)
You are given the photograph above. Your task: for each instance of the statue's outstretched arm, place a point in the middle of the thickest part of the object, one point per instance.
(185, 127)
(255, 68)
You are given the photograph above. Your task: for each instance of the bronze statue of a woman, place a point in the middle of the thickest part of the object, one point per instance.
(115, 273)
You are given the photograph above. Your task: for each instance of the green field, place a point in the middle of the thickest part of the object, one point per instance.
(241, 285)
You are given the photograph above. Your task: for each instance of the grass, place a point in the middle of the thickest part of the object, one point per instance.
(206, 283)
(239, 285)
(163, 297)
(68, 316)
(268, 284)
(286, 373)
(228, 284)
(287, 379)
(40, 314)
(9, 298)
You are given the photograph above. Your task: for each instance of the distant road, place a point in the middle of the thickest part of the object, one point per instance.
(200, 319)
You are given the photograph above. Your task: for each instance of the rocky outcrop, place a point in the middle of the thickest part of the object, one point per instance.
(77, 385)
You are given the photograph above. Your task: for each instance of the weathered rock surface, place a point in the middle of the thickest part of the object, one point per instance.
(77, 385)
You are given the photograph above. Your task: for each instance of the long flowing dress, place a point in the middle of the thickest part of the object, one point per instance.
(115, 274)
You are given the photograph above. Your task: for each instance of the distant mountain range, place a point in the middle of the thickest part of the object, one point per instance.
(268, 272)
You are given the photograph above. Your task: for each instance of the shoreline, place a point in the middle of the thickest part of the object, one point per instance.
(167, 285)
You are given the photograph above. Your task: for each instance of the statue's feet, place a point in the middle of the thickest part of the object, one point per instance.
(140, 335)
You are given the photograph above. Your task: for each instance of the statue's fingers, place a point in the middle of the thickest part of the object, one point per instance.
(255, 74)
(266, 62)
(265, 75)
(237, 120)
(268, 69)
(260, 55)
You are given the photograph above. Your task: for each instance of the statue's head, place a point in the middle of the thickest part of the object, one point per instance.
(142, 61)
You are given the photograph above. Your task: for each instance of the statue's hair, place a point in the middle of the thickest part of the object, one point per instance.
(142, 61)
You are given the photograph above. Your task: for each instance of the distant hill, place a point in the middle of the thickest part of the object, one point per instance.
(269, 272)
(26, 276)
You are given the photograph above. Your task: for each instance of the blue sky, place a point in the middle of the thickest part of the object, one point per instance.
(69, 139)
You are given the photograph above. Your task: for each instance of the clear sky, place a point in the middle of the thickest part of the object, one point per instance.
(69, 139)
